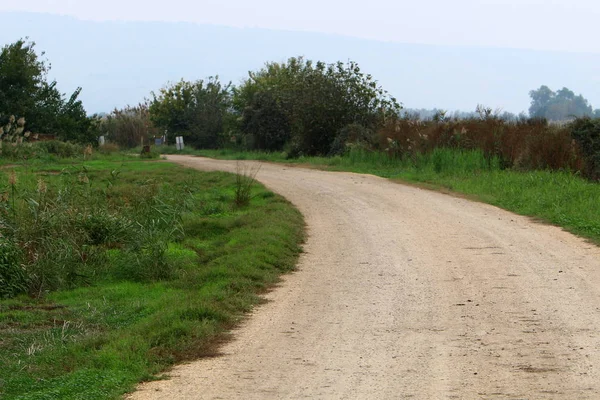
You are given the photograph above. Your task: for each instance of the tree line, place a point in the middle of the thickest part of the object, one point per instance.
(298, 106)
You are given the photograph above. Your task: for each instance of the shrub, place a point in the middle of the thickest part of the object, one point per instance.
(60, 149)
(244, 181)
(265, 124)
(31, 150)
(198, 111)
(150, 154)
(303, 105)
(586, 132)
(101, 227)
(352, 135)
(25, 151)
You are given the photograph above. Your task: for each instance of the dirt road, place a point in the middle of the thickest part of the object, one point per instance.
(406, 293)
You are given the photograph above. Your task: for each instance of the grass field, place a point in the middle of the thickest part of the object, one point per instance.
(557, 197)
(145, 264)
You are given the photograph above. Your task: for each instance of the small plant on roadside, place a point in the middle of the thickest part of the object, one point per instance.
(244, 181)
(150, 154)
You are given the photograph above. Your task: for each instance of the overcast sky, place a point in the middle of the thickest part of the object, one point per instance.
(570, 25)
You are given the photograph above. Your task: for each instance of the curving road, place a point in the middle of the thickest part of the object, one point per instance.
(408, 293)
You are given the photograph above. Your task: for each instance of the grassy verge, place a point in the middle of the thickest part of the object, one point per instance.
(559, 198)
(150, 264)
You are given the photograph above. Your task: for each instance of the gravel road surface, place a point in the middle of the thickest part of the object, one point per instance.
(404, 293)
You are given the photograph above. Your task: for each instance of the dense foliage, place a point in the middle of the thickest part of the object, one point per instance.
(305, 105)
(586, 132)
(559, 106)
(195, 110)
(25, 91)
(301, 108)
(128, 127)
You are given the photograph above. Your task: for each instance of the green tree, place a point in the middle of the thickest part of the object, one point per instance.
(305, 105)
(557, 106)
(25, 91)
(540, 99)
(22, 76)
(195, 110)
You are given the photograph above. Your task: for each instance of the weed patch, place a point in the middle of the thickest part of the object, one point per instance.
(245, 179)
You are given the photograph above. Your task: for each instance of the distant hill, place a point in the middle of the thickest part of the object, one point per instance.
(119, 63)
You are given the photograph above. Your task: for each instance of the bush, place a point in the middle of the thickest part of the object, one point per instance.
(149, 155)
(59, 148)
(586, 132)
(351, 136)
(265, 124)
(25, 151)
(101, 227)
(303, 106)
(198, 111)
(28, 150)
(245, 179)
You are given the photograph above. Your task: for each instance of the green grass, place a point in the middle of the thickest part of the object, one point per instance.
(558, 197)
(96, 339)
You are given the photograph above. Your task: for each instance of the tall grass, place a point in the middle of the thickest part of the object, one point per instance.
(63, 223)
(245, 178)
(525, 145)
(129, 127)
(152, 263)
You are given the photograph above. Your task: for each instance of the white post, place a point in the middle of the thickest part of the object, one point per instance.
(179, 142)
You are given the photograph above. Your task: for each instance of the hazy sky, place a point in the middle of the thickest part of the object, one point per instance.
(570, 25)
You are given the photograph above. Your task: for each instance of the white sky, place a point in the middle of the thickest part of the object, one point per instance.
(571, 25)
